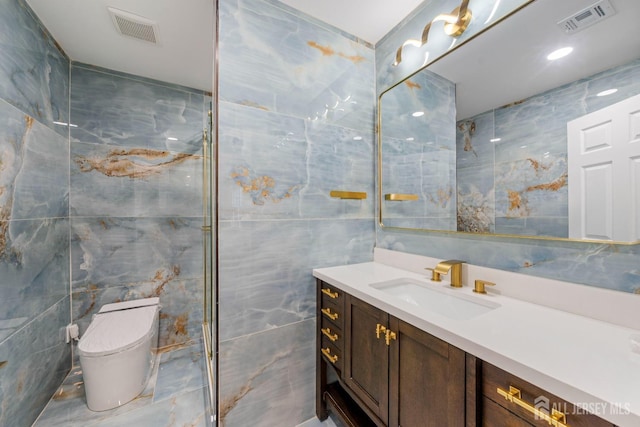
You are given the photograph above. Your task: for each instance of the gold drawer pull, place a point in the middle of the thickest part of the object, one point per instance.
(328, 334)
(330, 294)
(327, 352)
(380, 329)
(327, 312)
(556, 419)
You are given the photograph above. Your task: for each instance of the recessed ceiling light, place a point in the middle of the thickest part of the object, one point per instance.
(411, 138)
(171, 138)
(357, 138)
(560, 53)
(418, 114)
(495, 139)
(607, 92)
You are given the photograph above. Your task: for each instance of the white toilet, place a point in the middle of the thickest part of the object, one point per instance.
(117, 352)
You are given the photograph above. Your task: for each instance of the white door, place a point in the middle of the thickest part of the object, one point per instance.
(604, 173)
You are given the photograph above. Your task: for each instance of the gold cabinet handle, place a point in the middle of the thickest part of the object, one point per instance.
(328, 334)
(329, 293)
(389, 335)
(380, 329)
(333, 358)
(327, 312)
(556, 419)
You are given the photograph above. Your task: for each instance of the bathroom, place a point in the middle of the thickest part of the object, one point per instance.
(295, 120)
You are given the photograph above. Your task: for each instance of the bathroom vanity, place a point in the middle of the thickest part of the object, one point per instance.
(397, 349)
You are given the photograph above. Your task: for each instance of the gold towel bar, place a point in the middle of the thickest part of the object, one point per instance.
(393, 197)
(348, 194)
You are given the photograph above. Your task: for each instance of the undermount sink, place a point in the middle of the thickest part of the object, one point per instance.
(442, 301)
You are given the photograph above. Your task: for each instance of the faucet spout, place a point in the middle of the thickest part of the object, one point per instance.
(453, 267)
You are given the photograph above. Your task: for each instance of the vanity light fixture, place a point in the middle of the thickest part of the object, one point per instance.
(607, 92)
(456, 23)
(559, 53)
(418, 114)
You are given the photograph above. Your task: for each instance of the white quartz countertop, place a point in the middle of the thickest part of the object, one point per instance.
(585, 361)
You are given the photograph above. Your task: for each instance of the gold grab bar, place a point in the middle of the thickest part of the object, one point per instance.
(347, 194)
(328, 334)
(329, 293)
(333, 358)
(556, 419)
(327, 312)
(396, 197)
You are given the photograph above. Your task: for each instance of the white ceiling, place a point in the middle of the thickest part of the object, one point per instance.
(370, 20)
(184, 55)
(508, 63)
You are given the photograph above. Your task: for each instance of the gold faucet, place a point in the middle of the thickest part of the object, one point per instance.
(452, 266)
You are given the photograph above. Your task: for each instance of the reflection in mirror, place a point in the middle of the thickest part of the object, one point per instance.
(510, 172)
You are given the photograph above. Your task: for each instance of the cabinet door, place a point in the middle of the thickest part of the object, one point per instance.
(427, 380)
(366, 355)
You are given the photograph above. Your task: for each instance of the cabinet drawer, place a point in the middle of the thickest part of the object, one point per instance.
(331, 353)
(332, 313)
(331, 294)
(330, 332)
(495, 379)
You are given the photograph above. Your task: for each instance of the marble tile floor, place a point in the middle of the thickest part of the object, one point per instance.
(175, 395)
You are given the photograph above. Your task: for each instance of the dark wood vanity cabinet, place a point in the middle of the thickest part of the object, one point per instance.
(396, 374)
(504, 400)
(373, 369)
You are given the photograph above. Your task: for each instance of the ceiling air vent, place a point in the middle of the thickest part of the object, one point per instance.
(135, 26)
(587, 17)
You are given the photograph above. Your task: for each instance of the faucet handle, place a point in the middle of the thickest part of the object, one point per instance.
(435, 276)
(480, 284)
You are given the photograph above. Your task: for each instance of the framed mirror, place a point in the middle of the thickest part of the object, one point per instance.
(496, 138)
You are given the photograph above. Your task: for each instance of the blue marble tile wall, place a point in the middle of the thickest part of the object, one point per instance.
(601, 265)
(34, 225)
(519, 184)
(136, 197)
(296, 120)
(418, 152)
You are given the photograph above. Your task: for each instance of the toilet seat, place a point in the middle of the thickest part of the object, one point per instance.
(118, 327)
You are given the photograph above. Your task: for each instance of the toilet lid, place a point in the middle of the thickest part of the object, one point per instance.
(117, 331)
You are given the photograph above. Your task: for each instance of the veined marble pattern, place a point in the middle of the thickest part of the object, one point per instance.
(600, 265)
(273, 59)
(34, 75)
(529, 171)
(267, 268)
(276, 166)
(118, 259)
(134, 182)
(169, 399)
(268, 378)
(27, 190)
(33, 362)
(126, 111)
(418, 152)
(438, 43)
